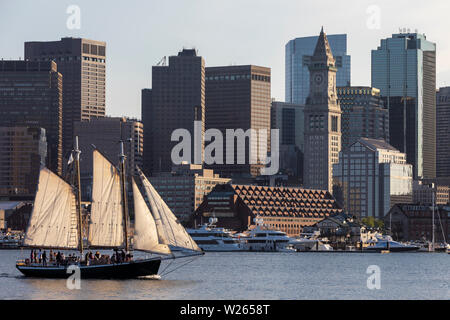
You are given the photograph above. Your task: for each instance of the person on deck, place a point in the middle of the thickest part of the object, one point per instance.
(58, 258)
(51, 258)
(39, 257)
(32, 256)
(44, 259)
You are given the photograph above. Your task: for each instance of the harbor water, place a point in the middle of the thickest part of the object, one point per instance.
(251, 275)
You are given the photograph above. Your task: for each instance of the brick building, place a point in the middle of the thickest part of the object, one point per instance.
(285, 209)
(414, 222)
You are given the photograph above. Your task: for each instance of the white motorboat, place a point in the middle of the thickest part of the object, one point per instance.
(210, 238)
(260, 239)
(386, 243)
(310, 242)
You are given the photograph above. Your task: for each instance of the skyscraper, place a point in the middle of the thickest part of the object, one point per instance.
(289, 119)
(105, 134)
(363, 114)
(322, 119)
(82, 63)
(31, 95)
(22, 153)
(443, 133)
(404, 69)
(371, 177)
(298, 57)
(238, 97)
(175, 101)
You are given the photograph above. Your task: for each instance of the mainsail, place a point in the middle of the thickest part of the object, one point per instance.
(145, 232)
(169, 229)
(106, 226)
(53, 222)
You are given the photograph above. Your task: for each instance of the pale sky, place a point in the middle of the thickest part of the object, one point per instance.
(225, 32)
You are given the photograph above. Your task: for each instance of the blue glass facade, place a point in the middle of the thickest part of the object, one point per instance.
(298, 55)
(404, 69)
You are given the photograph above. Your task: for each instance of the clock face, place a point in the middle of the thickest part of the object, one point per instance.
(318, 79)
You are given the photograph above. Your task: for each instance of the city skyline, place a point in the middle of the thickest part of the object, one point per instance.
(155, 34)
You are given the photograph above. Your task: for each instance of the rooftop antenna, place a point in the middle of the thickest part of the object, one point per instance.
(162, 62)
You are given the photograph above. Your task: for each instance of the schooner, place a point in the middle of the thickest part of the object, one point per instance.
(56, 223)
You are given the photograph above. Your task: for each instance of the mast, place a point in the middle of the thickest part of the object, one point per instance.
(124, 195)
(78, 196)
(433, 200)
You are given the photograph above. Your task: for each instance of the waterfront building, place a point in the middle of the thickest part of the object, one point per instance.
(288, 118)
(412, 222)
(175, 101)
(371, 177)
(322, 116)
(15, 215)
(185, 187)
(105, 134)
(238, 97)
(298, 57)
(404, 69)
(363, 114)
(343, 231)
(286, 209)
(82, 63)
(443, 133)
(31, 96)
(23, 150)
(423, 193)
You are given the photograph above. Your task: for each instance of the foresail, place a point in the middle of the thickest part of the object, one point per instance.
(106, 223)
(53, 222)
(170, 230)
(145, 232)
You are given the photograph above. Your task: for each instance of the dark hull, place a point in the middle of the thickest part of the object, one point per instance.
(395, 249)
(131, 270)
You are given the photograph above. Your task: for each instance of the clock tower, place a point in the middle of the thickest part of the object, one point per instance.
(322, 119)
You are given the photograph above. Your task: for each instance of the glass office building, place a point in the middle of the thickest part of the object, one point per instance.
(404, 69)
(363, 115)
(289, 119)
(371, 177)
(298, 56)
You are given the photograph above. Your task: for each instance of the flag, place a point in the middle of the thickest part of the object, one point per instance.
(70, 159)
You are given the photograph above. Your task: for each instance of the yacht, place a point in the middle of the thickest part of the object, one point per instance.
(10, 240)
(260, 239)
(386, 243)
(210, 238)
(310, 242)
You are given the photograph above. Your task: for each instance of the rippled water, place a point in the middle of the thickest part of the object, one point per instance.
(255, 276)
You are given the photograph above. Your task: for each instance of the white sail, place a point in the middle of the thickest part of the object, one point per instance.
(170, 231)
(145, 232)
(54, 221)
(106, 225)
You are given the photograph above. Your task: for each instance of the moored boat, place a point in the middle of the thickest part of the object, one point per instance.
(210, 238)
(262, 239)
(386, 243)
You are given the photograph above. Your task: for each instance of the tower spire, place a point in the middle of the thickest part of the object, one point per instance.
(323, 49)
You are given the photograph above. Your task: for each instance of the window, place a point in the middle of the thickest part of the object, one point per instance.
(334, 123)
